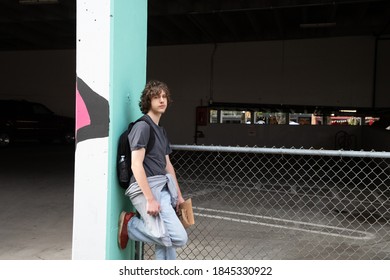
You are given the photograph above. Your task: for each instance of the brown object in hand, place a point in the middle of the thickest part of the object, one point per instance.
(186, 214)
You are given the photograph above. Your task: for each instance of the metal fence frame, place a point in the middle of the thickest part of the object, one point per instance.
(282, 151)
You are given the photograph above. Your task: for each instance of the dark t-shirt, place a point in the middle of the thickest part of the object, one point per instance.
(155, 161)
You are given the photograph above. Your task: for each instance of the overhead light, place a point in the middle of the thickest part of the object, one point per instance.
(348, 111)
(317, 25)
(37, 2)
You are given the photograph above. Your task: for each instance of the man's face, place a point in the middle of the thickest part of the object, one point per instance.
(159, 103)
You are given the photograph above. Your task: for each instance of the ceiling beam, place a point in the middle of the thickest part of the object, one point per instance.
(228, 6)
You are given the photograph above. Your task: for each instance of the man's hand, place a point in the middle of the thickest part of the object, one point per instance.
(152, 207)
(180, 200)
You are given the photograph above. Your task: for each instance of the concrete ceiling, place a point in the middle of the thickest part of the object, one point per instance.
(53, 26)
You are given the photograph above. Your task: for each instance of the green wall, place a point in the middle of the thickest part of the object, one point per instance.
(127, 79)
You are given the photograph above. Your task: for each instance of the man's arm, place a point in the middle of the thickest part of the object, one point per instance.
(169, 168)
(137, 159)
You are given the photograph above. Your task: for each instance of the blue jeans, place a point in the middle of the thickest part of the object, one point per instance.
(178, 235)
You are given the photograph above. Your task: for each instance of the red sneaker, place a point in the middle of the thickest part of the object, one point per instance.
(123, 236)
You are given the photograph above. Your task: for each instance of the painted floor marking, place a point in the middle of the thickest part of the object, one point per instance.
(364, 235)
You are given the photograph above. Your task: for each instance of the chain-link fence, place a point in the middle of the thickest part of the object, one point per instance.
(259, 203)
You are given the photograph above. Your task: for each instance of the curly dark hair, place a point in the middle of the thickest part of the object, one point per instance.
(152, 88)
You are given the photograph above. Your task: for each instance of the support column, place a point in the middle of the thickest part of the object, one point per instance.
(111, 71)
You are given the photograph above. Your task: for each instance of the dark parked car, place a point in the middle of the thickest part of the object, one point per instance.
(25, 121)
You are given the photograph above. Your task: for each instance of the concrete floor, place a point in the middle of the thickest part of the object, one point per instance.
(36, 218)
(36, 202)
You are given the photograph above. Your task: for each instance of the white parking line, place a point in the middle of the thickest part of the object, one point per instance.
(363, 235)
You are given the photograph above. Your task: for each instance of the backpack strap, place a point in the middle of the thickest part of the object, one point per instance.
(152, 137)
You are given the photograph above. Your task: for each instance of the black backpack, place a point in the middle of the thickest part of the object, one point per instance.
(123, 157)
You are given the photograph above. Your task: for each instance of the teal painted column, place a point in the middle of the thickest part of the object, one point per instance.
(128, 46)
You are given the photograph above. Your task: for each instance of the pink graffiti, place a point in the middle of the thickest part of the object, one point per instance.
(82, 116)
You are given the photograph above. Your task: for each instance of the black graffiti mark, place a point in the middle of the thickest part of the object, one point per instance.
(98, 111)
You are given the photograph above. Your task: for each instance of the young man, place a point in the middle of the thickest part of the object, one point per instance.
(154, 190)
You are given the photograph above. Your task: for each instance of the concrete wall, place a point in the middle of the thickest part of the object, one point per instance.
(331, 71)
(335, 71)
(382, 94)
(325, 72)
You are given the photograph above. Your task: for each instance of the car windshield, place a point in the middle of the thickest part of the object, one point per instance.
(41, 110)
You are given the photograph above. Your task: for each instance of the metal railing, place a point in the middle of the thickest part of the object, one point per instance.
(268, 203)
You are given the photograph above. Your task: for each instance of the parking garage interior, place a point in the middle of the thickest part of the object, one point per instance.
(262, 56)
